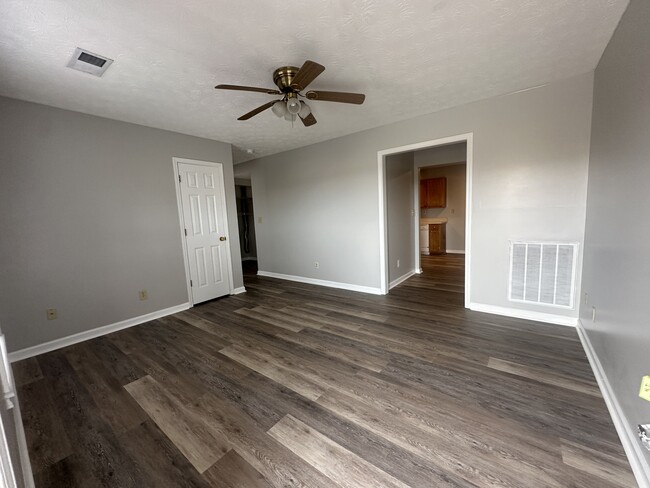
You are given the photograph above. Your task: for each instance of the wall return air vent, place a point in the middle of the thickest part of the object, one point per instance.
(87, 62)
(543, 273)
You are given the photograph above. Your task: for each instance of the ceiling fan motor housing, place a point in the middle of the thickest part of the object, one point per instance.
(283, 77)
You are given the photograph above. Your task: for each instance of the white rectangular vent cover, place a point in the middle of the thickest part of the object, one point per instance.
(83, 60)
(543, 273)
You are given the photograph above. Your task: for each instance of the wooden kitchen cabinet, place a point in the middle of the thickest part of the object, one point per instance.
(437, 238)
(433, 193)
(423, 193)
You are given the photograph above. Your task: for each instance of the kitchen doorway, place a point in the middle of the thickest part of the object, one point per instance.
(442, 198)
(435, 154)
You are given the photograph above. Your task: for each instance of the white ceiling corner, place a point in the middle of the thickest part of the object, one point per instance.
(408, 57)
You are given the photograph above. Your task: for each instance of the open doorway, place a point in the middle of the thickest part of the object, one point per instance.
(442, 177)
(246, 223)
(402, 212)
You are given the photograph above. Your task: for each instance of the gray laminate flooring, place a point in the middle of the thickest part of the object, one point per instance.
(293, 385)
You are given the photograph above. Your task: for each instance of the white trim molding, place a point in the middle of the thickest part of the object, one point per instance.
(627, 435)
(329, 284)
(28, 352)
(517, 313)
(454, 251)
(238, 290)
(401, 279)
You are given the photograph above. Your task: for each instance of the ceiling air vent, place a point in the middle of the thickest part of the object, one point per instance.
(88, 62)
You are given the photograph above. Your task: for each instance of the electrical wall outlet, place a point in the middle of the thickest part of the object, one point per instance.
(316, 264)
(586, 298)
(51, 313)
(398, 263)
(644, 392)
(143, 294)
(593, 314)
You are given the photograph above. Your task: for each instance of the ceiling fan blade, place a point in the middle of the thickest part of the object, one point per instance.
(306, 74)
(248, 88)
(342, 97)
(309, 120)
(259, 109)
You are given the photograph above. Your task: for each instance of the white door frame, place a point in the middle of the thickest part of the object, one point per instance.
(181, 220)
(383, 214)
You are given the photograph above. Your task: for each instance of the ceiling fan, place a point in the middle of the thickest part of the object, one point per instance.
(290, 82)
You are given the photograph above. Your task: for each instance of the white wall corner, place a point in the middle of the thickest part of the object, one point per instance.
(402, 279)
(548, 318)
(238, 290)
(329, 284)
(29, 352)
(626, 433)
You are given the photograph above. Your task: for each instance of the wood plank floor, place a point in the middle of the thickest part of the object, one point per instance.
(293, 385)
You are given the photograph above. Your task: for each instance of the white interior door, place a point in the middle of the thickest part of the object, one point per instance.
(205, 230)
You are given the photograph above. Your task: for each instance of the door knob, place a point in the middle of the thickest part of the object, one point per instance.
(222, 238)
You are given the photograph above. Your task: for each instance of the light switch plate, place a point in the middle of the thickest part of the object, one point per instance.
(644, 392)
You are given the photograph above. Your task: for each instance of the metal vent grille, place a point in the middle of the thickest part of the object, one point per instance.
(543, 273)
(90, 59)
(87, 62)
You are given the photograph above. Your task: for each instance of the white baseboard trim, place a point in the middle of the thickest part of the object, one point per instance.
(627, 435)
(239, 290)
(401, 279)
(455, 251)
(249, 258)
(28, 352)
(549, 318)
(314, 281)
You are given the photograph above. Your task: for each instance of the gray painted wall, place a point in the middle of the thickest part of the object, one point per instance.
(89, 217)
(530, 179)
(450, 153)
(617, 262)
(317, 203)
(454, 212)
(399, 214)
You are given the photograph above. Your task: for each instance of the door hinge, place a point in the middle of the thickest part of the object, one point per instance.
(191, 284)
(179, 178)
(185, 232)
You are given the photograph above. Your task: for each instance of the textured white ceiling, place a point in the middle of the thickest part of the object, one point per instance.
(409, 58)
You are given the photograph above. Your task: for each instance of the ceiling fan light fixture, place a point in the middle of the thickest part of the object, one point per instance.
(279, 108)
(304, 110)
(291, 81)
(293, 106)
